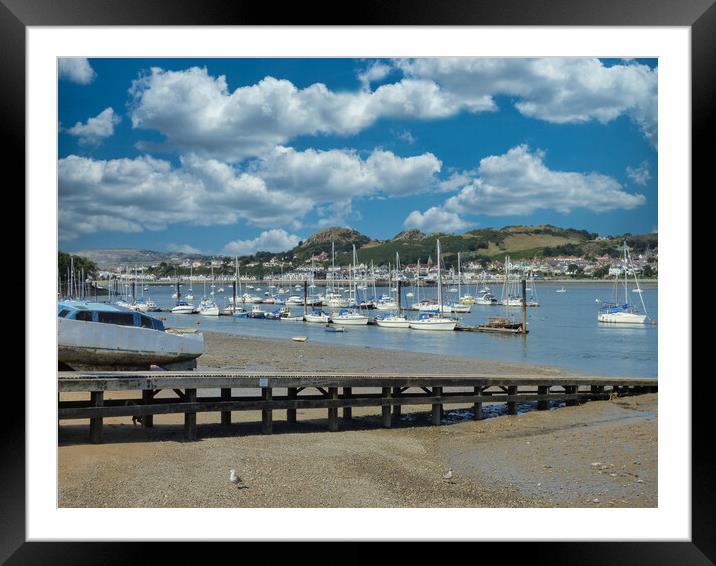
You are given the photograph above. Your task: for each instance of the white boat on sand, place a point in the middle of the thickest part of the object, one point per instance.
(97, 336)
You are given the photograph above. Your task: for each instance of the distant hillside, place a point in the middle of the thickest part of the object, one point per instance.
(109, 257)
(342, 238)
(483, 244)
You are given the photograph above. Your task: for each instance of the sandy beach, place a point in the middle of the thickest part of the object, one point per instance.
(598, 454)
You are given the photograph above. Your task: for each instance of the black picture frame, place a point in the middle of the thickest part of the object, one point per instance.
(699, 15)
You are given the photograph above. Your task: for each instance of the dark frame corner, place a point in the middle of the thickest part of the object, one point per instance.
(699, 15)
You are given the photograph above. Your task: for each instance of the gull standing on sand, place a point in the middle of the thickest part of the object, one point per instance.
(235, 479)
(447, 476)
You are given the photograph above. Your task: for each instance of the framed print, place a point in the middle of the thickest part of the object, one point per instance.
(251, 227)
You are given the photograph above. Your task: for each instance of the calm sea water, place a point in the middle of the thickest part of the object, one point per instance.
(563, 330)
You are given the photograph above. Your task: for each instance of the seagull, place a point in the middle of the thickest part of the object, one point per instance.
(447, 476)
(235, 479)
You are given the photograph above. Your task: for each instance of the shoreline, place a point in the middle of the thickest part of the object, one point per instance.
(598, 454)
(228, 351)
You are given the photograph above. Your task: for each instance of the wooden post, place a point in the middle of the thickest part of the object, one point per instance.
(396, 408)
(190, 418)
(97, 398)
(512, 405)
(226, 396)
(147, 397)
(333, 411)
(347, 411)
(386, 408)
(543, 405)
(437, 407)
(266, 414)
(571, 389)
(291, 413)
(478, 406)
(400, 307)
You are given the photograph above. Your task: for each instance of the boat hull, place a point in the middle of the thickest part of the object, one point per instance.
(393, 323)
(94, 345)
(622, 318)
(442, 325)
(357, 321)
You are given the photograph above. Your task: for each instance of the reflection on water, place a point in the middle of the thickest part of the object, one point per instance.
(563, 331)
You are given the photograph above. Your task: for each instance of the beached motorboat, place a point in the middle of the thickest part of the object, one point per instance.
(98, 336)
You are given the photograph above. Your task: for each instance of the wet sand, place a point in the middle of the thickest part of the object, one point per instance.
(598, 454)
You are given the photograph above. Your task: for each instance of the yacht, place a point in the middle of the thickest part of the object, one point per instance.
(392, 321)
(208, 307)
(349, 317)
(317, 316)
(182, 307)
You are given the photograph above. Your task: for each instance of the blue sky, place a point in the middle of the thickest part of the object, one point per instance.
(238, 155)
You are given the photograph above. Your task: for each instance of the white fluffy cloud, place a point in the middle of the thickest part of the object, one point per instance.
(571, 90)
(275, 240)
(435, 219)
(183, 248)
(77, 70)
(376, 71)
(640, 175)
(95, 129)
(149, 194)
(197, 113)
(519, 183)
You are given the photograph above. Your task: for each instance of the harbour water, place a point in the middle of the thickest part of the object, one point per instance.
(563, 330)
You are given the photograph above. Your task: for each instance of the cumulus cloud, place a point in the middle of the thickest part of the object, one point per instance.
(76, 69)
(571, 90)
(197, 113)
(145, 193)
(183, 248)
(435, 219)
(339, 175)
(375, 72)
(640, 175)
(519, 183)
(275, 240)
(95, 129)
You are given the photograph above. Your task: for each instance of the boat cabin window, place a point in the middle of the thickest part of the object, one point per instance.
(122, 318)
(147, 322)
(84, 315)
(63, 313)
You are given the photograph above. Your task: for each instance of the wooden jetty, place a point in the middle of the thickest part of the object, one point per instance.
(291, 391)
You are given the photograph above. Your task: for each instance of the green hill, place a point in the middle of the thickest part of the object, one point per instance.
(481, 244)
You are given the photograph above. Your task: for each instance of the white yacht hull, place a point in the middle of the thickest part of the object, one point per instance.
(393, 323)
(183, 309)
(209, 311)
(350, 320)
(622, 317)
(94, 345)
(433, 324)
(322, 318)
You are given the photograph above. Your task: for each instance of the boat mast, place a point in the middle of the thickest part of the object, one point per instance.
(459, 277)
(440, 284)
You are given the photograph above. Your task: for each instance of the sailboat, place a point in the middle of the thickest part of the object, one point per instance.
(429, 321)
(623, 313)
(509, 298)
(345, 316)
(208, 307)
